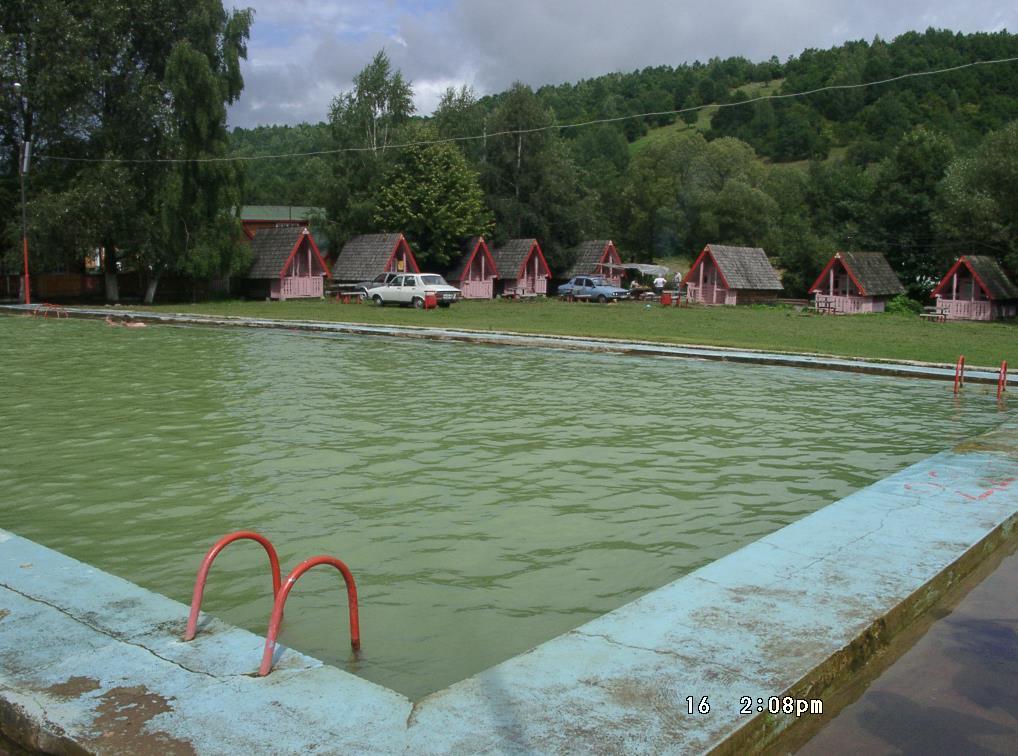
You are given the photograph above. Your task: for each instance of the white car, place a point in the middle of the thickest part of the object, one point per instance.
(412, 288)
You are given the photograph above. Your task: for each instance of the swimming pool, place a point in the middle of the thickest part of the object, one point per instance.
(486, 498)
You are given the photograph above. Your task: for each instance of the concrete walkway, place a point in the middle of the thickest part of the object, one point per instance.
(90, 661)
(905, 369)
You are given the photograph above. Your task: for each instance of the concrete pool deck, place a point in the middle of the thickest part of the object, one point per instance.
(92, 663)
(903, 369)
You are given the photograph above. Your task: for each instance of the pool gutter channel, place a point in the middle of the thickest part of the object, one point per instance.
(900, 369)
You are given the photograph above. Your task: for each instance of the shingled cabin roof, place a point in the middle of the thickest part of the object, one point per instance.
(869, 270)
(741, 267)
(587, 256)
(988, 273)
(273, 248)
(470, 248)
(365, 256)
(509, 258)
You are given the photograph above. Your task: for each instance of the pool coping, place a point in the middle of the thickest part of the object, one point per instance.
(874, 366)
(789, 615)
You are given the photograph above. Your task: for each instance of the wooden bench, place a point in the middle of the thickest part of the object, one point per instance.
(934, 317)
(347, 297)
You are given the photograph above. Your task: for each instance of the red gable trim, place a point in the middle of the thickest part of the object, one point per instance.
(961, 261)
(409, 253)
(305, 234)
(481, 244)
(706, 253)
(610, 255)
(526, 260)
(817, 285)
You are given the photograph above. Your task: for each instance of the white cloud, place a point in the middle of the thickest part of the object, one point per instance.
(302, 53)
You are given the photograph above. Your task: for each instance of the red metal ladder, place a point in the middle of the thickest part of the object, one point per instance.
(277, 609)
(959, 374)
(279, 592)
(206, 565)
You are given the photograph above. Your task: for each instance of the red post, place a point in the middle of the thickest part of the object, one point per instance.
(277, 609)
(203, 573)
(28, 287)
(1002, 380)
(959, 374)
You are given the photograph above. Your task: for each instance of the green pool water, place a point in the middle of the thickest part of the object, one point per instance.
(486, 498)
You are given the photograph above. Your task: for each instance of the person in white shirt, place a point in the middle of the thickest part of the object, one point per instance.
(659, 284)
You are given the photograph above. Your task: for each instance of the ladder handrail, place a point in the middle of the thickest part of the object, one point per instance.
(1002, 380)
(206, 565)
(959, 373)
(277, 608)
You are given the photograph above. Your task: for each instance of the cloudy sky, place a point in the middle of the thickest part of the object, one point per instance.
(303, 52)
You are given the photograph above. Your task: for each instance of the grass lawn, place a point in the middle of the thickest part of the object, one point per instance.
(780, 329)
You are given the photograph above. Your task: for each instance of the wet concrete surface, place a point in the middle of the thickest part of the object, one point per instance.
(954, 692)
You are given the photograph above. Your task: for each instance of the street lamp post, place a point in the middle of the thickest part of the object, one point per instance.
(24, 156)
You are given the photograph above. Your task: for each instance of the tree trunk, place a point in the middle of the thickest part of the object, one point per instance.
(150, 288)
(110, 275)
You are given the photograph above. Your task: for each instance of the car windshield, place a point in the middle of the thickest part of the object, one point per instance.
(382, 277)
(433, 281)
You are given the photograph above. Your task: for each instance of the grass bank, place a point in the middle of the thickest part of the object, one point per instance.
(781, 329)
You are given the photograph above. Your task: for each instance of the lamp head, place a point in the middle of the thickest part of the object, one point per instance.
(17, 88)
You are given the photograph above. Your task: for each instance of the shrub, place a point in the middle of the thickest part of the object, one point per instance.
(903, 305)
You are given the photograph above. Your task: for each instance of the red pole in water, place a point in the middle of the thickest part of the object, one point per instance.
(1002, 380)
(277, 609)
(203, 573)
(959, 374)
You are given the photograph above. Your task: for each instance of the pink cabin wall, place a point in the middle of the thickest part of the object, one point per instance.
(478, 279)
(849, 305)
(474, 289)
(963, 298)
(705, 285)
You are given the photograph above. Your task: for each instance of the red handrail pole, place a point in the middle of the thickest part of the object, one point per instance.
(1002, 380)
(206, 565)
(959, 373)
(277, 609)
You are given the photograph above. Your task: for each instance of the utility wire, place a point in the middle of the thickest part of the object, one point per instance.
(537, 129)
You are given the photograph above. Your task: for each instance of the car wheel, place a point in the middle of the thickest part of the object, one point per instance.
(377, 299)
(418, 303)
(601, 298)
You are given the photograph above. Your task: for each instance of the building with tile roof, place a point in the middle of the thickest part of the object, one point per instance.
(854, 282)
(522, 269)
(364, 257)
(256, 217)
(976, 288)
(474, 273)
(597, 258)
(286, 264)
(732, 275)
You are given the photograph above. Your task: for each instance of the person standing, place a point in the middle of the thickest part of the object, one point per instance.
(659, 284)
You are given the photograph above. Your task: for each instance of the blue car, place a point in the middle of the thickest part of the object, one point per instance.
(593, 288)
